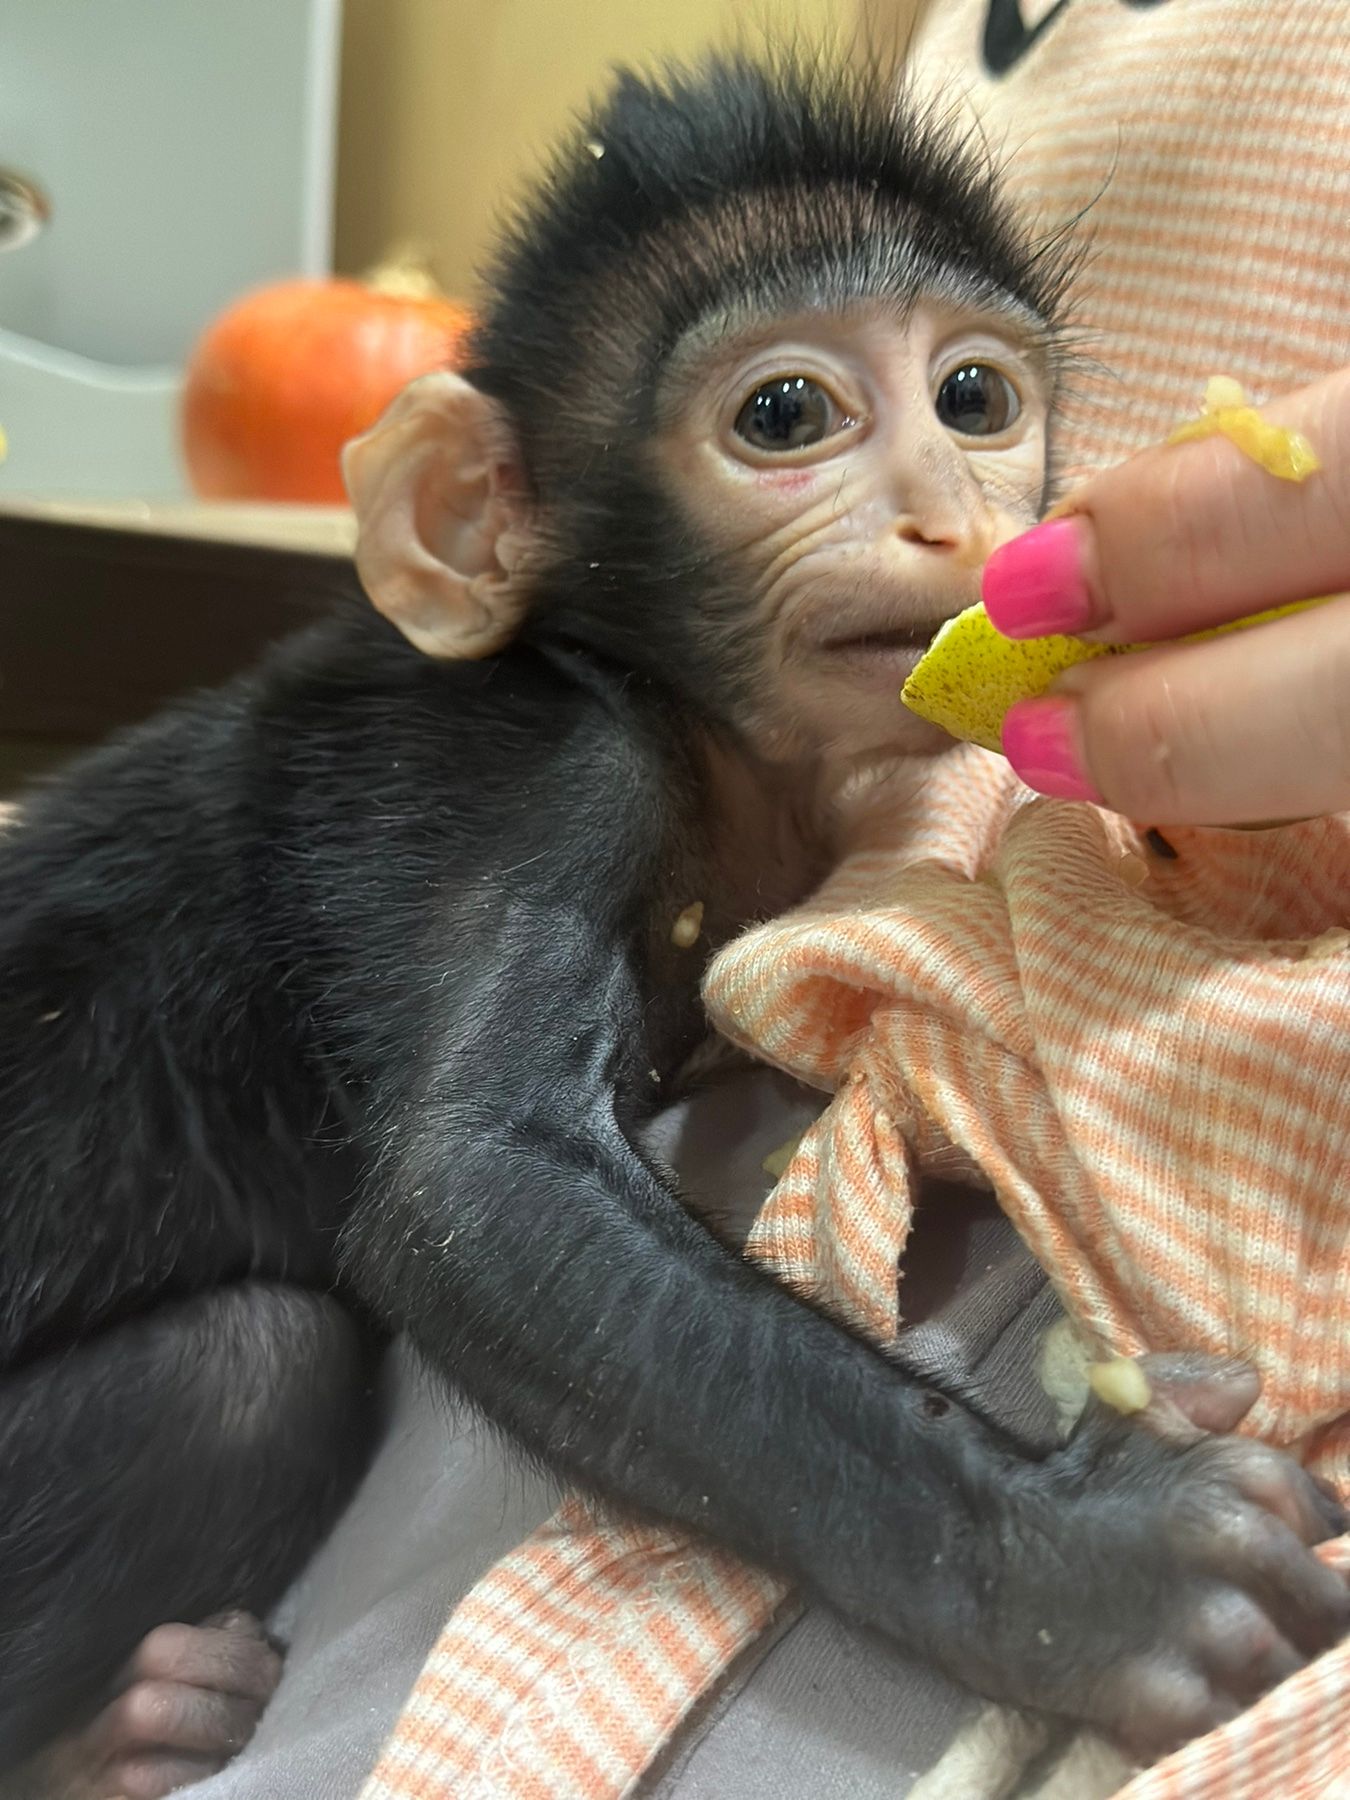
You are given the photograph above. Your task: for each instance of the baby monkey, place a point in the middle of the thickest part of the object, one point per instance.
(335, 1003)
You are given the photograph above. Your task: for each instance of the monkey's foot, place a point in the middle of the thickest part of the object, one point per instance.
(187, 1702)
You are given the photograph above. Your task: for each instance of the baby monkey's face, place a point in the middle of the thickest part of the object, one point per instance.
(855, 469)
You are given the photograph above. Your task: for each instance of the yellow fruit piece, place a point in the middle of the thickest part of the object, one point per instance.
(1279, 451)
(1120, 1384)
(1287, 454)
(971, 674)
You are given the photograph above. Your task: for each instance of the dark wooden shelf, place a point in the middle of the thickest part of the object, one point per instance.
(99, 625)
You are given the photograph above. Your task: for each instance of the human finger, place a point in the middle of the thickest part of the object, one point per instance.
(1186, 536)
(1242, 729)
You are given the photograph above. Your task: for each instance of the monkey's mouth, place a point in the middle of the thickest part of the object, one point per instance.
(883, 653)
(868, 643)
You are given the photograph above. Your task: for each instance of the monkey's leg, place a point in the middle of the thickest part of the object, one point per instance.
(186, 1461)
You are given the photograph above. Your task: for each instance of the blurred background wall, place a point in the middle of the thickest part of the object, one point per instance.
(447, 104)
(386, 126)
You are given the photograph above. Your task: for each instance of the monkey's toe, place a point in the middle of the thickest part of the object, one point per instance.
(188, 1701)
(229, 1654)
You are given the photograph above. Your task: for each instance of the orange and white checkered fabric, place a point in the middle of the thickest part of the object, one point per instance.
(1149, 1060)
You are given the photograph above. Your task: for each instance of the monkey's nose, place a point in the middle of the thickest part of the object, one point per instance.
(968, 543)
(910, 533)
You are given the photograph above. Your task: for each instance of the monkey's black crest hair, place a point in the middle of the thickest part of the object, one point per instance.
(781, 180)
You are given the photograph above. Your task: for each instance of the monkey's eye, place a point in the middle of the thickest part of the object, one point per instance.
(976, 400)
(790, 412)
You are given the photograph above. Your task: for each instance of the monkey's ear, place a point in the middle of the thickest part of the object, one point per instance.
(440, 518)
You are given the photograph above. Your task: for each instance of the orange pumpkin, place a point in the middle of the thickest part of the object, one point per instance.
(284, 377)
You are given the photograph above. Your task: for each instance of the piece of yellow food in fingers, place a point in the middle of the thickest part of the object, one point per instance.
(971, 674)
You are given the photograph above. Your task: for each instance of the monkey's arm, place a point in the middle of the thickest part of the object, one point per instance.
(541, 1262)
(546, 1269)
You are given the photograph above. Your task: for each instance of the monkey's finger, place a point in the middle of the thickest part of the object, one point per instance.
(1308, 1602)
(1275, 1482)
(1193, 1393)
(1186, 536)
(231, 1660)
(1249, 728)
(170, 1715)
(1240, 1648)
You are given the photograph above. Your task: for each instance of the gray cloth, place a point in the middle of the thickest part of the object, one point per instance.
(442, 1502)
(819, 1711)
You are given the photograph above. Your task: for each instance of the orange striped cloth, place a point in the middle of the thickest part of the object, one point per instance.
(1209, 142)
(1213, 139)
(1148, 1059)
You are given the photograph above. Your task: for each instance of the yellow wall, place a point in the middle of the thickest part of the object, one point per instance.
(447, 103)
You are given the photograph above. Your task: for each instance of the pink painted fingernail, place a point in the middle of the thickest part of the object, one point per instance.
(1035, 585)
(1040, 740)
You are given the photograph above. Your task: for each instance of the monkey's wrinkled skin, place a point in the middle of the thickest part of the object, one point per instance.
(336, 1002)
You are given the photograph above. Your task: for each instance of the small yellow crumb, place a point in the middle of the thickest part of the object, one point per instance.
(686, 929)
(1226, 412)
(1132, 870)
(776, 1162)
(596, 148)
(1120, 1384)
(1222, 392)
(1330, 943)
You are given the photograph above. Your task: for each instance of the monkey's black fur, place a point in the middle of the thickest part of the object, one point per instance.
(863, 195)
(356, 978)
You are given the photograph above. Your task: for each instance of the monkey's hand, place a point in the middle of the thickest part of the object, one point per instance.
(1153, 1579)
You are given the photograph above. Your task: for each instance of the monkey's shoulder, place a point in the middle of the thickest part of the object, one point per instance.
(345, 749)
(536, 737)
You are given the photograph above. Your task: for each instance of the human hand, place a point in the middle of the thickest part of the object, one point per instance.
(1245, 728)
